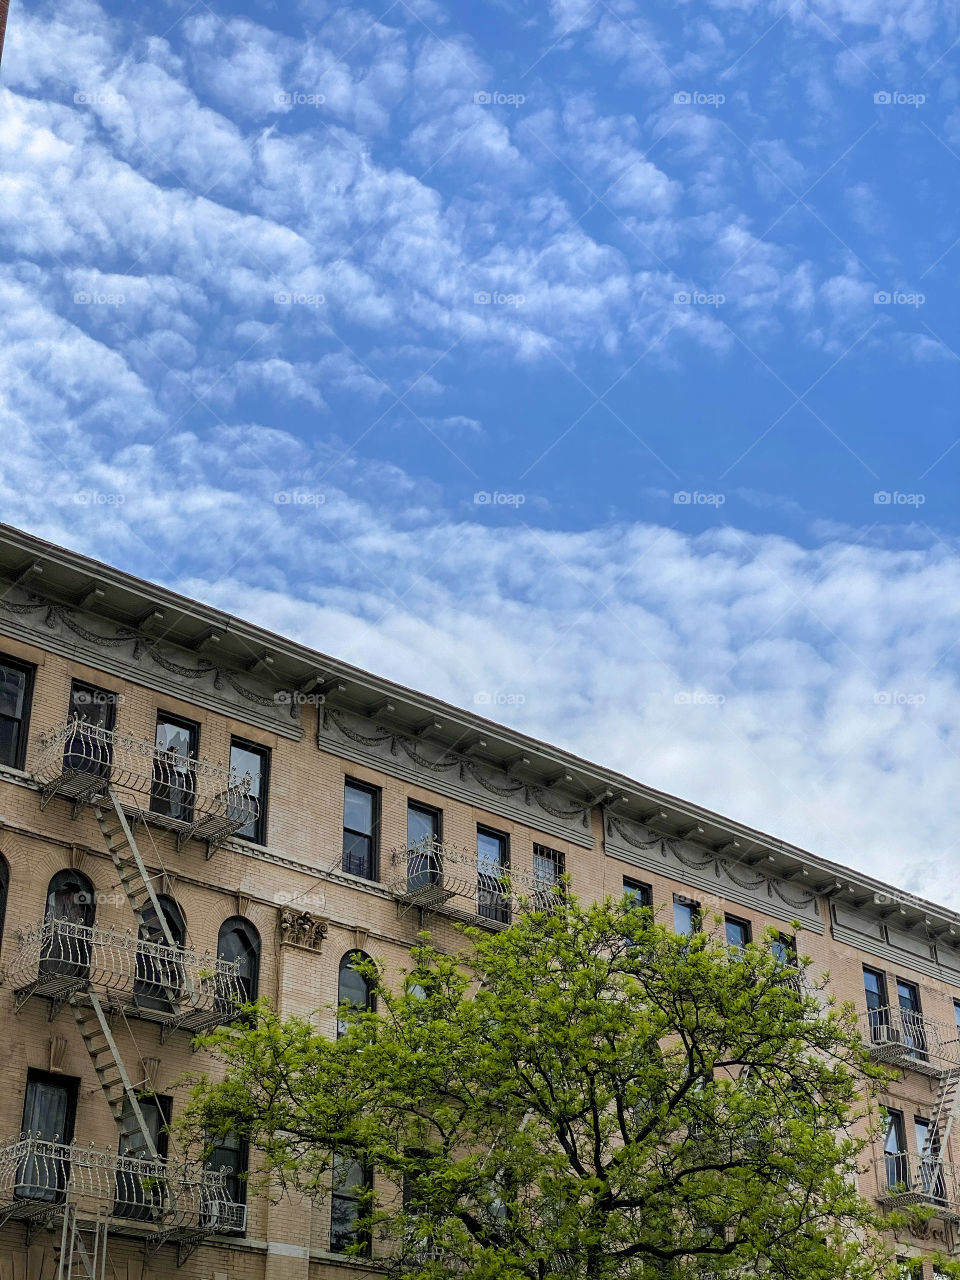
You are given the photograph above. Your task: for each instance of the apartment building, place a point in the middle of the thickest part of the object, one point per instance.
(194, 811)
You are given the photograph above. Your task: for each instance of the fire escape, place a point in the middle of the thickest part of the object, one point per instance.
(104, 975)
(438, 877)
(909, 1040)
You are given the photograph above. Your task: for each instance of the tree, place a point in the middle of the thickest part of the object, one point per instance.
(583, 1095)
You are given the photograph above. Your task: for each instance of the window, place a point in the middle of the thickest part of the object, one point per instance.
(136, 1197)
(49, 1109)
(929, 1167)
(686, 915)
(68, 918)
(354, 989)
(16, 691)
(878, 1014)
(640, 894)
(895, 1151)
(784, 949)
(174, 777)
(424, 854)
(911, 1017)
(230, 1156)
(90, 748)
(910, 1269)
(158, 980)
(351, 1185)
(493, 866)
(247, 757)
(239, 943)
(548, 870)
(361, 829)
(737, 931)
(4, 891)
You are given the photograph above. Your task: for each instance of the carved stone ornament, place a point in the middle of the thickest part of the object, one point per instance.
(302, 929)
(57, 1053)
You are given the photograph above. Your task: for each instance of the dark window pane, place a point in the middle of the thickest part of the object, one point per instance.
(4, 891)
(353, 987)
(16, 682)
(493, 900)
(239, 943)
(13, 690)
(349, 1182)
(48, 1114)
(357, 854)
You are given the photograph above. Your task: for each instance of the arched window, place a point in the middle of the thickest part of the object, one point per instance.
(4, 891)
(239, 943)
(354, 988)
(68, 917)
(159, 976)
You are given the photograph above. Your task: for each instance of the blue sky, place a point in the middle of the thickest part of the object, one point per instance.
(591, 364)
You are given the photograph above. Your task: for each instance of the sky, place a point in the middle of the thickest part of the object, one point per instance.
(592, 366)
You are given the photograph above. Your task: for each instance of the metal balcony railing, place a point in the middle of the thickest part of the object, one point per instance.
(907, 1179)
(905, 1038)
(155, 1198)
(173, 985)
(441, 877)
(190, 796)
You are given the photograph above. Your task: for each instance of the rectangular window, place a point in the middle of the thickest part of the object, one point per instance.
(424, 851)
(548, 869)
(89, 749)
(737, 931)
(686, 915)
(229, 1156)
(49, 1108)
(361, 829)
(133, 1198)
(16, 692)
(956, 1014)
(911, 1269)
(493, 866)
(784, 949)
(911, 1018)
(640, 894)
(351, 1184)
(878, 1013)
(249, 758)
(895, 1150)
(174, 767)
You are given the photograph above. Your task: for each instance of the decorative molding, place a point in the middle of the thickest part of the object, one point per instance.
(150, 1072)
(455, 774)
(361, 937)
(131, 653)
(57, 1052)
(942, 968)
(301, 929)
(719, 874)
(242, 903)
(76, 857)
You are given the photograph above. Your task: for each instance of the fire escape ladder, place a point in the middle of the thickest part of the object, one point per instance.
(113, 1077)
(83, 1247)
(945, 1112)
(137, 884)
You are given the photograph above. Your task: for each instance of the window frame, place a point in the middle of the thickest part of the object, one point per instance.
(370, 999)
(4, 893)
(376, 796)
(233, 923)
(219, 1145)
(696, 915)
(639, 892)
(256, 748)
(740, 923)
(420, 806)
(361, 1236)
(546, 892)
(29, 670)
(193, 728)
(499, 907)
(111, 701)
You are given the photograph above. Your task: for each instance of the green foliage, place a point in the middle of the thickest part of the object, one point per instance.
(583, 1095)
